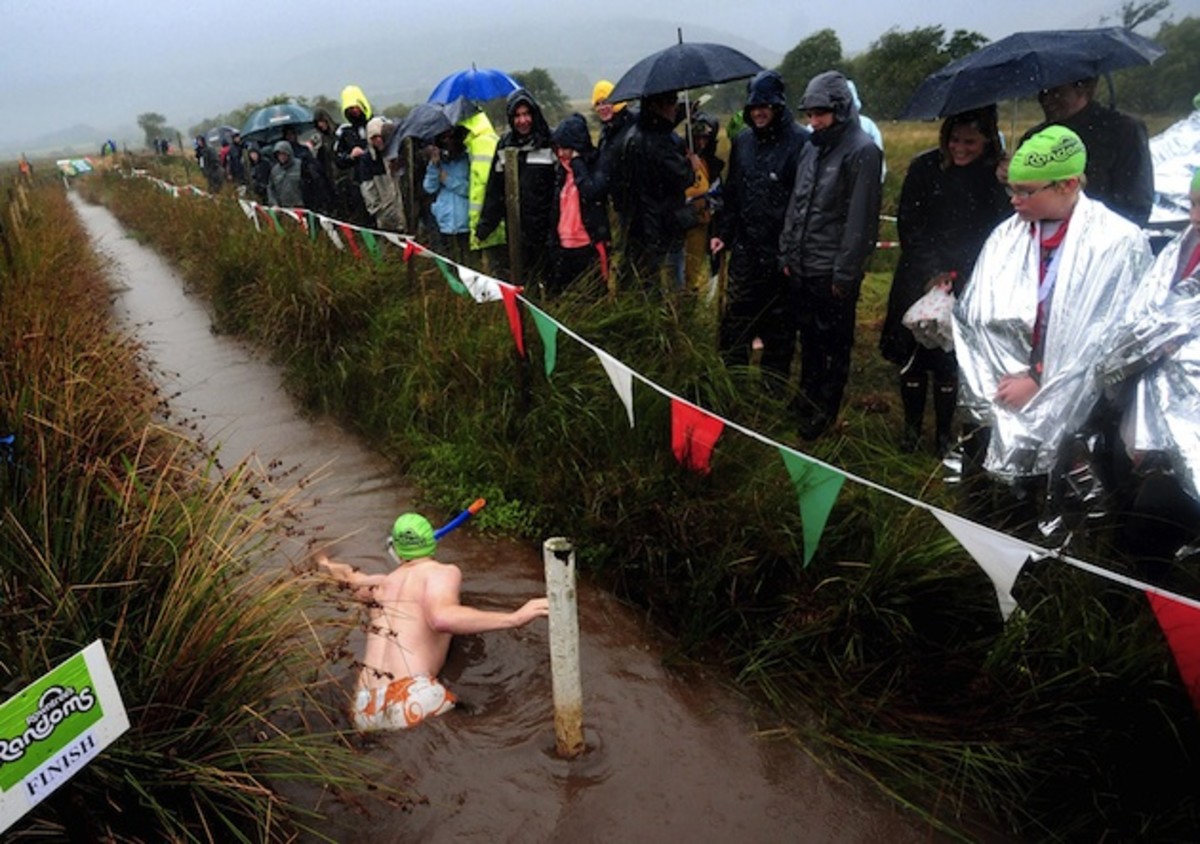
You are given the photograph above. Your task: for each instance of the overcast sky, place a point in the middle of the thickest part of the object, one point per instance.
(65, 62)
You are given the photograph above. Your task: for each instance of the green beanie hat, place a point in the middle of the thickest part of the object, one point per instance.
(1052, 154)
(412, 537)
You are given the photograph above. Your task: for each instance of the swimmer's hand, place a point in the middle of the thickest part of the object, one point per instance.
(533, 608)
(339, 570)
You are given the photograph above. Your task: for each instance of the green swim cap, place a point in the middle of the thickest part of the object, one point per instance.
(412, 537)
(1052, 154)
(1196, 181)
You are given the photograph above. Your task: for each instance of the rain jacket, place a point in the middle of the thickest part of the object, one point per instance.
(449, 182)
(832, 219)
(284, 189)
(650, 177)
(481, 143)
(380, 189)
(573, 133)
(259, 168)
(1099, 262)
(945, 215)
(353, 134)
(762, 173)
(535, 168)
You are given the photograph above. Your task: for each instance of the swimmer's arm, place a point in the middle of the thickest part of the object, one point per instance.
(446, 614)
(362, 584)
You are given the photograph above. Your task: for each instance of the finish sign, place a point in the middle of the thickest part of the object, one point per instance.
(54, 727)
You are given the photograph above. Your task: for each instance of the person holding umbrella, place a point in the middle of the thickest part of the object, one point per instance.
(651, 175)
(447, 180)
(1120, 172)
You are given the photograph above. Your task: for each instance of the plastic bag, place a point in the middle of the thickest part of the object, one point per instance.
(930, 319)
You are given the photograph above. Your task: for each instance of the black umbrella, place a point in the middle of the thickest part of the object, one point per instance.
(1025, 63)
(426, 121)
(218, 135)
(267, 124)
(682, 66)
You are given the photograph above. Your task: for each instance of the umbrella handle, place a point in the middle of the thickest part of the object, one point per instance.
(476, 505)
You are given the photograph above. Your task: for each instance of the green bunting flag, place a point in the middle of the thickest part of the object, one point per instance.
(372, 246)
(548, 329)
(451, 277)
(312, 226)
(275, 219)
(817, 489)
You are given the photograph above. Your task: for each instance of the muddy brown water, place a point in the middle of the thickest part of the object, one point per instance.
(675, 754)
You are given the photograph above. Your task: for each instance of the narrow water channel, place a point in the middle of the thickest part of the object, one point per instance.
(675, 754)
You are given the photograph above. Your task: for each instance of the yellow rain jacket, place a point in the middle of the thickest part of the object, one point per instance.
(481, 143)
(352, 95)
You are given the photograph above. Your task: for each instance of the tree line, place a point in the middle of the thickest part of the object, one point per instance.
(886, 73)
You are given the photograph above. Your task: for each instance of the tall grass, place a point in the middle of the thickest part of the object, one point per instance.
(116, 527)
(886, 652)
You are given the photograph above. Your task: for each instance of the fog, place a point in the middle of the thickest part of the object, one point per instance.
(71, 68)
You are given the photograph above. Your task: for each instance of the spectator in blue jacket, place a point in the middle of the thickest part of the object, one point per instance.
(448, 180)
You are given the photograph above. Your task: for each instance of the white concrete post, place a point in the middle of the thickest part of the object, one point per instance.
(558, 554)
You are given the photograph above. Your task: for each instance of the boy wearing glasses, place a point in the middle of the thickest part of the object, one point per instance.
(1050, 283)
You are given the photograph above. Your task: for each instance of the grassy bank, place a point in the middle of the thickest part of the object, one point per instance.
(117, 527)
(887, 652)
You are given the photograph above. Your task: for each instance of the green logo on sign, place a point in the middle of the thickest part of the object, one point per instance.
(44, 718)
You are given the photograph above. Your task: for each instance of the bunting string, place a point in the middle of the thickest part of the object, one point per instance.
(999, 554)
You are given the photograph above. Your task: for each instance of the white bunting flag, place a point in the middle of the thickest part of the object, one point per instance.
(998, 554)
(483, 288)
(331, 230)
(622, 380)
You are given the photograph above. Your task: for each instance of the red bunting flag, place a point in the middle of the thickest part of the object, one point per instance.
(1180, 623)
(693, 435)
(510, 292)
(410, 249)
(351, 241)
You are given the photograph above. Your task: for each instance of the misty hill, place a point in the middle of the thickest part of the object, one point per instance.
(79, 138)
(394, 64)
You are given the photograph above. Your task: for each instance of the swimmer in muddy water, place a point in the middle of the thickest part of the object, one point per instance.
(415, 610)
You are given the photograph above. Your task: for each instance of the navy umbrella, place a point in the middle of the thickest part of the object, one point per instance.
(1023, 64)
(218, 135)
(682, 66)
(475, 84)
(267, 124)
(426, 121)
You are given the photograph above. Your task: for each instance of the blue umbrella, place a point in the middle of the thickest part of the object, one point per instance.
(267, 124)
(1023, 64)
(474, 84)
(682, 66)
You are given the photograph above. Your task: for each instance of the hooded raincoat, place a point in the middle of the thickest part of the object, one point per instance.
(762, 172)
(535, 168)
(284, 189)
